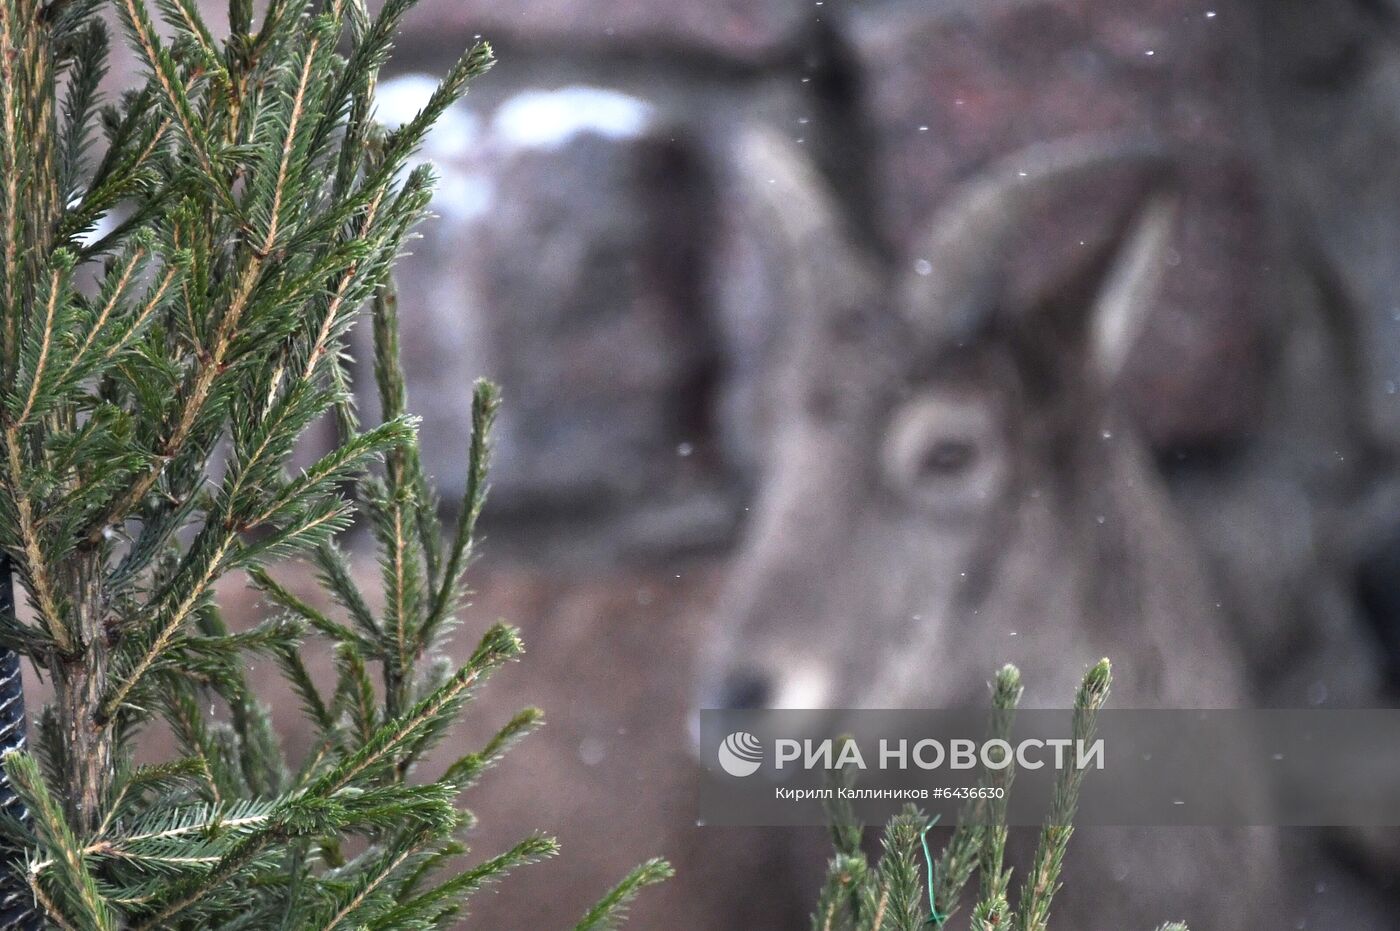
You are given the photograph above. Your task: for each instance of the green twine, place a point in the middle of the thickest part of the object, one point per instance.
(935, 917)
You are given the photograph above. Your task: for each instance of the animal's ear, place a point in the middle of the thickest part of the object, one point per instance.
(807, 288)
(783, 195)
(1129, 288)
(961, 277)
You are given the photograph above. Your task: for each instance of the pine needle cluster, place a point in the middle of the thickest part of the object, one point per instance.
(179, 271)
(890, 894)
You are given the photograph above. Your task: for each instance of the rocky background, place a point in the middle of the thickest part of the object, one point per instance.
(594, 255)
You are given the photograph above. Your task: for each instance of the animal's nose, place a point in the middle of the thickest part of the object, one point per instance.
(747, 690)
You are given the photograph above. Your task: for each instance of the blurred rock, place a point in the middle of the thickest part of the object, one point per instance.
(742, 29)
(569, 266)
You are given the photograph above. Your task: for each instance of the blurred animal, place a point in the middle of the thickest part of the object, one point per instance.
(952, 487)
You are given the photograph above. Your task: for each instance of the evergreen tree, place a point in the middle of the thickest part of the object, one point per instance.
(179, 269)
(889, 896)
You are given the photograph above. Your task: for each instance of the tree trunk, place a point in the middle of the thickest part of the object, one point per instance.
(81, 683)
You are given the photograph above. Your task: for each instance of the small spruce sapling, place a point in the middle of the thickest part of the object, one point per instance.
(890, 895)
(179, 270)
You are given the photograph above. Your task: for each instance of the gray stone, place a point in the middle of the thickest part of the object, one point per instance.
(740, 29)
(569, 267)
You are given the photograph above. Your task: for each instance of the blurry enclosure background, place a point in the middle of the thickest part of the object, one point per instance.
(594, 254)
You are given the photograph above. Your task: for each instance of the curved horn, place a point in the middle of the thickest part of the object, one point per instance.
(958, 287)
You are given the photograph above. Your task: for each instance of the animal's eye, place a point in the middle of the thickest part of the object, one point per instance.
(946, 454)
(948, 457)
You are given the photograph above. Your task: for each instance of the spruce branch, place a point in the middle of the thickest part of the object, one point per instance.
(70, 876)
(841, 903)
(146, 42)
(900, 873)
(610, 910)
(440, 903)
(1006, 695)
(184, 17)
(485, 403)
(889, 896)
(979, 840)
(464, 771)
(1043, 880)
(498, 646)
(180, 270)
